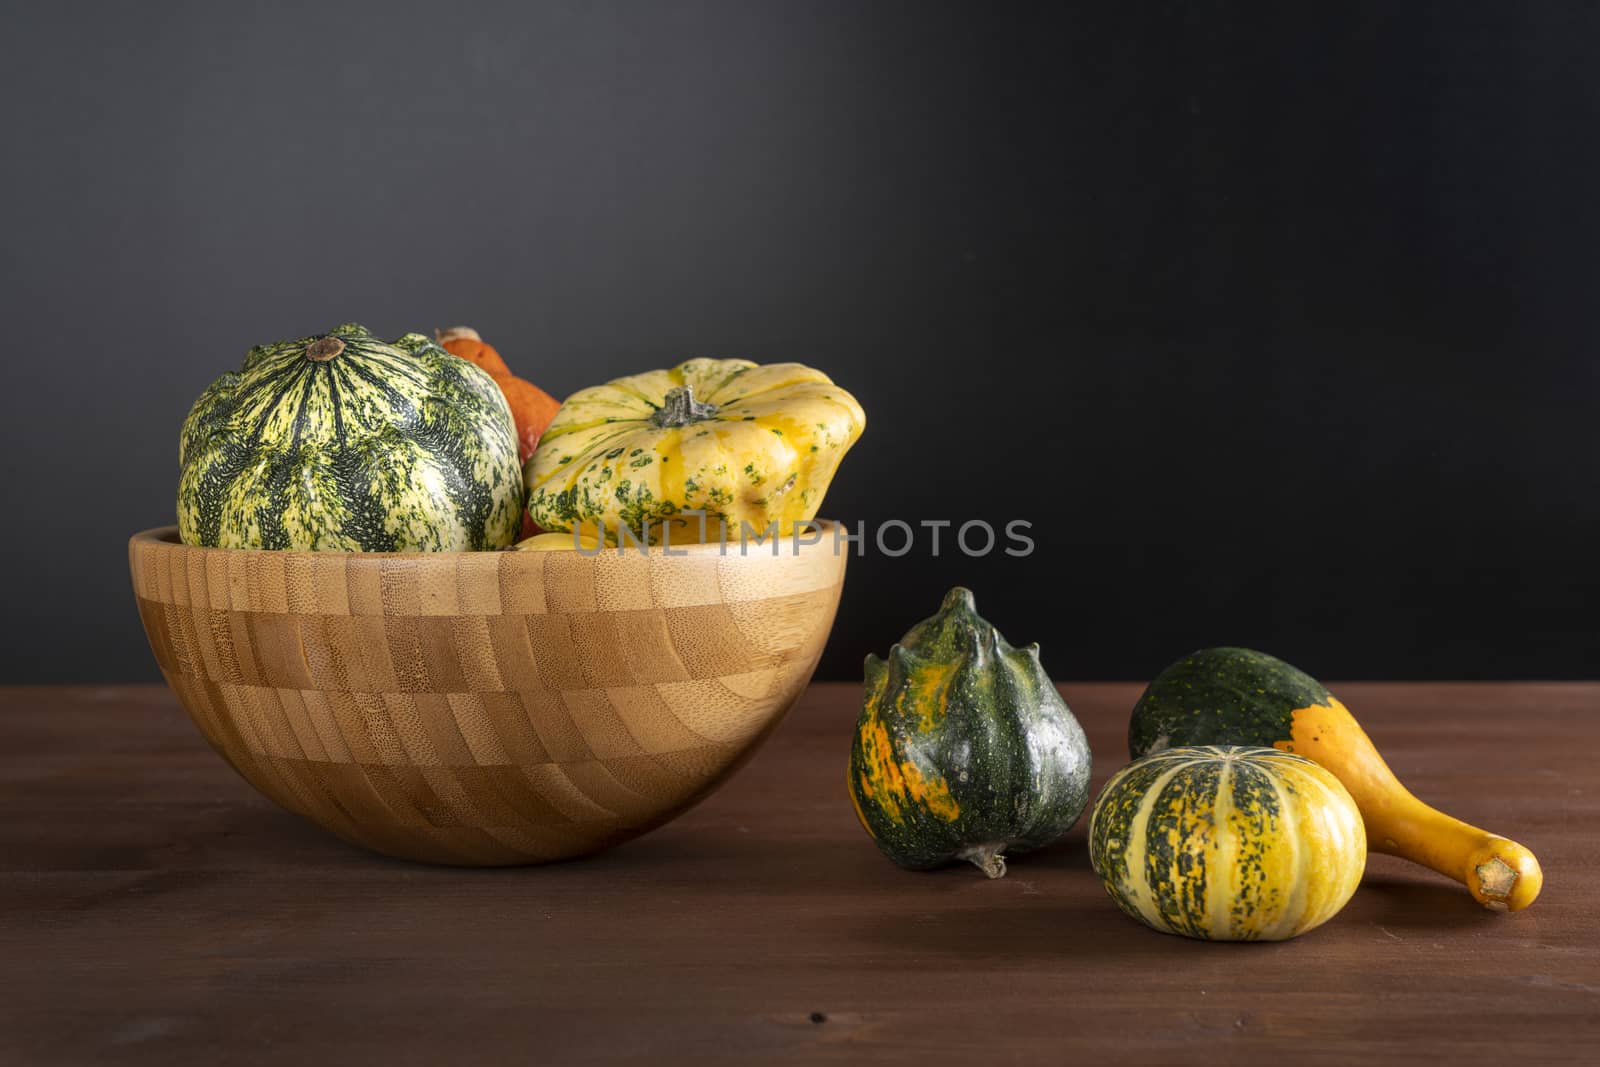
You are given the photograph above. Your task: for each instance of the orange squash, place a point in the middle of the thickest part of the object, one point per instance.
(531, 407)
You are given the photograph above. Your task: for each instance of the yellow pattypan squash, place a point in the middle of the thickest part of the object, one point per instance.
(740, 442)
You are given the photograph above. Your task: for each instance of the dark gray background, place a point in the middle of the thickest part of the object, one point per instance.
(1280, 327)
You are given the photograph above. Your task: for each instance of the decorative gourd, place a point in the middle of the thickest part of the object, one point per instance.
(1236, 696)
(531, 407)
(1227, 843)
(964, 748)
(467, 343)
(560, 541)
(343, 442)
(740, 442)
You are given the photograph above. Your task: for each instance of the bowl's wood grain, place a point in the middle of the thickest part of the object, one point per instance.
(485, 708)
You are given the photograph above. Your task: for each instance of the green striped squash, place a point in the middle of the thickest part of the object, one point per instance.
(1227, 843)
(343, 442)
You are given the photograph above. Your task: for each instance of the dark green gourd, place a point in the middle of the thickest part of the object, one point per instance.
(964, 748)
(344, 442)
(1222, 696)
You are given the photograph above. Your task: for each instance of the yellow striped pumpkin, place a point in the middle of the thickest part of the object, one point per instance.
(1227, 843)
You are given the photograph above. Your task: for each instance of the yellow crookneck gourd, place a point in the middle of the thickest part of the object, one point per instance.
(1235, 696)
(738, 442)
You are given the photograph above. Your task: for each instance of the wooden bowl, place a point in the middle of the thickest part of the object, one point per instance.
(486, 708)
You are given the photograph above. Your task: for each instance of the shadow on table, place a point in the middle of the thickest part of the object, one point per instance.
(1420, 904)
(748, 860)
(1063, 931)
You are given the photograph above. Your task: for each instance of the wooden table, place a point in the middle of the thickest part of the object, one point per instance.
(154, 910)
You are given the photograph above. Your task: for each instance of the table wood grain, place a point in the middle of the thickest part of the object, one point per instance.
(155, 910)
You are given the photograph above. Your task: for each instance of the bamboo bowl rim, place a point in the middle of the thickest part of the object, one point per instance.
(783, 545)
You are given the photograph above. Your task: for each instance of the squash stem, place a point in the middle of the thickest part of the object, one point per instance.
(455, 333)
(680, 408)
(324, 350)
(987, 858)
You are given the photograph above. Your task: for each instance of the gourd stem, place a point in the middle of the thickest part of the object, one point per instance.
(680, 408)
(987, 858)
(455, 333)
(324, 350)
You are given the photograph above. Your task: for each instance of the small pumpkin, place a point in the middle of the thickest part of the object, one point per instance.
(531, 407)
(1237, 696)
(344, 442)
(1227, 843)
(964, 749)
(737, 441)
